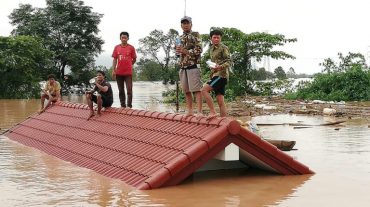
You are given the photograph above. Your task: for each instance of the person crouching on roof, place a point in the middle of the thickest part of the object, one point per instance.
(103, 97)
(50, 92)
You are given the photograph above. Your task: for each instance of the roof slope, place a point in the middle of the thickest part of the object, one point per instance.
(144, 149)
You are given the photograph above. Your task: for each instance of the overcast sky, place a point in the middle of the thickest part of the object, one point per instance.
(323, 28)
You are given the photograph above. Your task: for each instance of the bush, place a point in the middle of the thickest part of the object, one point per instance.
(350, 85)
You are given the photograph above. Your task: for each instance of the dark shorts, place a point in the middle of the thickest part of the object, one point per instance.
(53, 98)
(218, 84)
(106, 102)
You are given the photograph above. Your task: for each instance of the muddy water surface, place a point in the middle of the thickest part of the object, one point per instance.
(340, 156)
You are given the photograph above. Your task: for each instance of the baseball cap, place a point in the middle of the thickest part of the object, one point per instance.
(186, 18)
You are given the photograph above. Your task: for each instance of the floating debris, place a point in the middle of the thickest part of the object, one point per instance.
(302, 127)
(284, 145)
(300, 124)
(329, 111)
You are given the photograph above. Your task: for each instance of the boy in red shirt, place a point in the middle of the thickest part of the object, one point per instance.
(124, 57)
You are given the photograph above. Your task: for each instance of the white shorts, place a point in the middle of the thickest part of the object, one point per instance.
(190, 80)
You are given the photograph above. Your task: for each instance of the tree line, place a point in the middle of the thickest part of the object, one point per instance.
(62, 36)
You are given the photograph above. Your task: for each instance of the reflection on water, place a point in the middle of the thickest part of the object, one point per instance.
(229, 188)
(340, 156)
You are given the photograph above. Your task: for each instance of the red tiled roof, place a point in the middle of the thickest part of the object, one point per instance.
(144, 149)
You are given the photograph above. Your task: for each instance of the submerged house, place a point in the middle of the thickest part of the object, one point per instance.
(147, 149)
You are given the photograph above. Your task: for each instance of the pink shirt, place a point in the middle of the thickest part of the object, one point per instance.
(124, 55)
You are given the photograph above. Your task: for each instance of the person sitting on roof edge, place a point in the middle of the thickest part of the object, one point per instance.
(104, 95)
(50, 92)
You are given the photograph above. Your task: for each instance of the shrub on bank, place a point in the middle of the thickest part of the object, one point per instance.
(350, 85)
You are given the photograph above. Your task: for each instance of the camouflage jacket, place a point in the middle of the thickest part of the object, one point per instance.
(193, 43)
(221, 56)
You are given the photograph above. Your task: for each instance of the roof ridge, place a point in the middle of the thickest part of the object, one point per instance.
(130, 126)
(154, 114)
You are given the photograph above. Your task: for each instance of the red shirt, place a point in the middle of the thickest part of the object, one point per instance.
(124, 55)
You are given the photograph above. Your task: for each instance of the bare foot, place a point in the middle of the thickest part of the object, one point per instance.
(187, 115)
(106, 108)
(199, 116)
(91, 115)
(211, 116)
(98, 114)
(41, 110)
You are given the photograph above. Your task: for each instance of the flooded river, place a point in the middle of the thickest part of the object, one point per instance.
(339, 155)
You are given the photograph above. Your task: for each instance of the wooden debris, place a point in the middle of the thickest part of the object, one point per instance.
(332, 123)
(269, 124)
(302, 127)
(300, 124)
(283, 145)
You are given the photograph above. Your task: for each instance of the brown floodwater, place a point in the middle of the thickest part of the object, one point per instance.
(339, 155)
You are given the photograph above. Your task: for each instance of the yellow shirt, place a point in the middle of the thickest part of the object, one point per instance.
(221, 56)
(52, 88)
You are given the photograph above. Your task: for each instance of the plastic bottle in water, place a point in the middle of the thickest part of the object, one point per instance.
(177, 43)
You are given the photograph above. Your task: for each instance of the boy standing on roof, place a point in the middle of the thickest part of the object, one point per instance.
(190, 51)
(220, 55)
(124, 57)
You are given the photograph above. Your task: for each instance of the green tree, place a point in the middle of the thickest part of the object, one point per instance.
(291, 73)
(280, 73)
(351, 60)
(329, 65)
(23, 60)
(345, 63)
(159, 47)
(260, 74)
(67, 27)
(149, 70)
(84, 75)
(262, 44)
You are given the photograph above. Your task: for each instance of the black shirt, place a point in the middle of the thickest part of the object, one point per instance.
(108, 95)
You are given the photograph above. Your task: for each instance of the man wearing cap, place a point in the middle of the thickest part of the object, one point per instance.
(190, 51)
